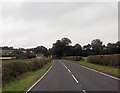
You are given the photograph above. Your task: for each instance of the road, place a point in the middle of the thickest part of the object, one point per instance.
(68, 76)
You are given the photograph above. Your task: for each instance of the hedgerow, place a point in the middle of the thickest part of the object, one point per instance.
(75, 58)
(12, 71)
(111, 60)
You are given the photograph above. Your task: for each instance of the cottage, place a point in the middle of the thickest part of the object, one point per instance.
(40, 56)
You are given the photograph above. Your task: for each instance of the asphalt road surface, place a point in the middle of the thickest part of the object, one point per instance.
(68, 76)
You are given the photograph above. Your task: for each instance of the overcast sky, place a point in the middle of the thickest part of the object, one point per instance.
(31, 24)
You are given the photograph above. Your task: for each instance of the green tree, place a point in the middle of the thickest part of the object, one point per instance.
(87, 50)
(113, 48)
(61, 47)
(41, 50)
(66, 41)
(77, 50)
(96, 45)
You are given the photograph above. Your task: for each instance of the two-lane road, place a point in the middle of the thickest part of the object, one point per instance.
(68, 76)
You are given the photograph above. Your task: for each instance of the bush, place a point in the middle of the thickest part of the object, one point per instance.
(75, 58)
(12, 71)
(112, 60)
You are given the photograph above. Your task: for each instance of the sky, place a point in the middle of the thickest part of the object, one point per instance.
(31, 24)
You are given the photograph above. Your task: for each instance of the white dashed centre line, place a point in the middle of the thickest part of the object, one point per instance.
(72, 75)
(84, 91)
(65, 66)
(69, 71)
(75, 79)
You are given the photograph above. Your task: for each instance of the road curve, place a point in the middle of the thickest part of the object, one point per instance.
(68, 76)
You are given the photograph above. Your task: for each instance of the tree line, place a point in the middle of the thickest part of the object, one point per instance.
(63, 47)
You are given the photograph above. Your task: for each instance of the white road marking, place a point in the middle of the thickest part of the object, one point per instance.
(62, 63)
(69, 70)
(84, 91)
(65, 66)
(75, 79)
(101, 73)
(40, 78)
(71, 73)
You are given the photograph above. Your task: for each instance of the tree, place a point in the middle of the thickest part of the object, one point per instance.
(61, 47)
(77, 50)
(6, 48)
(96, 46)
(118, 46)
(66, 41)
(87, 50)
(87, 47)
(58, 49)
(113, 48)
(41, 50)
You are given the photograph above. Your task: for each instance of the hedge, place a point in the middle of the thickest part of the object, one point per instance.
(75, 58)
(12, 71)
(112, 60)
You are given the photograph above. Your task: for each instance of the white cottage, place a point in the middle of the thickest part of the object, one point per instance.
(40, 56)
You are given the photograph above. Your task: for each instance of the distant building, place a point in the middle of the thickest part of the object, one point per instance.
(31, 52)
(24, 51)
(6, 58)
(40, 56)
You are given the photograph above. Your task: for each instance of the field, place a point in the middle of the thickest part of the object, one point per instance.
(18, 60)
(5, 51)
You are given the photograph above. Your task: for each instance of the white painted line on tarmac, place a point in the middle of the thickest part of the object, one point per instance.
(62, 63)
(75, 79)
(66, 67)
(40, 78)
(69, 70)
(71, 73)
(84, 91)
(101, 73)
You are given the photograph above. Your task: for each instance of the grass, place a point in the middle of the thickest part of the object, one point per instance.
(105, 69)
(5, 51)
(18, 60)
(26, 80)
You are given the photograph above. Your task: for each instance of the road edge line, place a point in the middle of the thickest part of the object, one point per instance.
(40, 78)
(110, 76)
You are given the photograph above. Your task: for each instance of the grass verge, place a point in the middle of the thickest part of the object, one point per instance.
(105, 69)
(26, 80)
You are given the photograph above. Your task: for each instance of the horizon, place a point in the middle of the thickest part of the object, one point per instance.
(54, 42)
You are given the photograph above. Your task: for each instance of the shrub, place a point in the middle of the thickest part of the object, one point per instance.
(75, 58)
(112, 60)
(12, 71)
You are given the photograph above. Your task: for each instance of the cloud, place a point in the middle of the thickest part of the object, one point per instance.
(29, 24)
